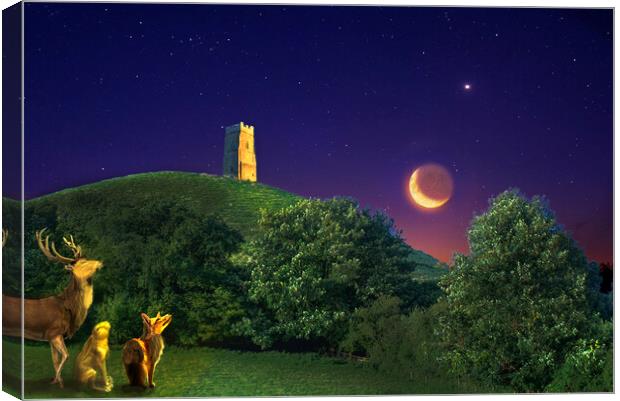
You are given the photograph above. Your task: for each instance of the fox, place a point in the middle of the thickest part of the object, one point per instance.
(141, 355)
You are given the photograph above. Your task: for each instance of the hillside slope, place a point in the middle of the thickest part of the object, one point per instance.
(237, 202)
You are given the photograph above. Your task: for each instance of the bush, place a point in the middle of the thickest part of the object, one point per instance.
(588, 367)
(378, 331)
(314, 262)
(421, 294)
(123, 312)
(158, 257)
(172, 261)
(406, 345)
(518, 302)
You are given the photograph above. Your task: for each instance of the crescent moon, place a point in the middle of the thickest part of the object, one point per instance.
(420, 197)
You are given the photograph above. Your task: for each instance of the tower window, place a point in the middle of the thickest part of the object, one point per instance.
(247, 145)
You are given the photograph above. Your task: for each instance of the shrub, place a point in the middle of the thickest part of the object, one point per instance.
(406, 345)
(378, 331)
(589, 365)
(123, 312)
(314, 262)
(518, 302)
(158, 257)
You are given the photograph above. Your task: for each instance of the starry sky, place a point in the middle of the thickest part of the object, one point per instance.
(345, 101)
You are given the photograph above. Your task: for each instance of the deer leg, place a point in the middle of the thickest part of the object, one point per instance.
(54, 360)
(59, 344)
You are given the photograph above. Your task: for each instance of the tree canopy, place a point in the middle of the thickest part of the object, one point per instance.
(518, 302)
(315, 262)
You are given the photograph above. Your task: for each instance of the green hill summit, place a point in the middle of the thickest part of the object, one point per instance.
(236, 202)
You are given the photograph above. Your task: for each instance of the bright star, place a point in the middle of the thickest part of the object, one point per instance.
(467, 87)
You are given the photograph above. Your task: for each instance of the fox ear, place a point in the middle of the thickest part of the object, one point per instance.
(145, 318)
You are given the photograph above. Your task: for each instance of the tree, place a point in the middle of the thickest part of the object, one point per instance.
(158, 256)
(314, 262)
(170, 260)
(518, 302)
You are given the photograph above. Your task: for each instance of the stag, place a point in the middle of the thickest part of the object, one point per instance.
(54, 318)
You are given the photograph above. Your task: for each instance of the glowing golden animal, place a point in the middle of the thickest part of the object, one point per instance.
(141, 355)
(90, 364)
(59, 316)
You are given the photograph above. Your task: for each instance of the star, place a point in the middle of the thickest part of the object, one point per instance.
(467, 87)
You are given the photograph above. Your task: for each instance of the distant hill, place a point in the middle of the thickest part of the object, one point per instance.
(426, 269)
(236, 202)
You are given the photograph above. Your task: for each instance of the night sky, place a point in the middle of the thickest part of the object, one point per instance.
(345, 101)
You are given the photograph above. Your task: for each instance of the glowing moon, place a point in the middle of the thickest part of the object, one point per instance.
(430, 186)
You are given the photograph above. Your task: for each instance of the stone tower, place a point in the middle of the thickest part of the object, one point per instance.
(239, 156)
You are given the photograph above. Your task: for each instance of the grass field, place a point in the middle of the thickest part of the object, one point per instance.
(207, 372)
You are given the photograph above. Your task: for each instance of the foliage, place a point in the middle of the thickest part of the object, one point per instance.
(423, 294)
(518, 302)
(403, 346)
(121, 310)
(158, 256)
(599, 301)
(172, 261)
(11, 269)
(589, 365)
(148, 231)
(377, 331)
(161, 246)
(316, 261)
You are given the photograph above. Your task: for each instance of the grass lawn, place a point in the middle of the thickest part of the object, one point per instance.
(208, 372)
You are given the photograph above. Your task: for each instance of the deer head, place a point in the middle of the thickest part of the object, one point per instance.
(155, 325)
(82, 269)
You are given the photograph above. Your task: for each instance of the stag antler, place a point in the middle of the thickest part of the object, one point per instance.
(54, 255)
(76, 249)
(5, 236)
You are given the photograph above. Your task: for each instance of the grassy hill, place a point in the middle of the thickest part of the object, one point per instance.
(237, 202)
